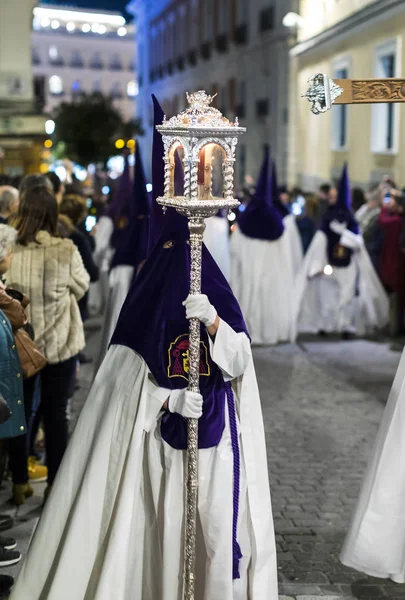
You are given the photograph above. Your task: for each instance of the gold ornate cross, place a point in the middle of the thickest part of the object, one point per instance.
(323, 92)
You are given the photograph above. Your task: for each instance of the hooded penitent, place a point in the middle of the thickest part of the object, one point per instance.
(153, 323)
(120, 206)
(338, 255)
(131, 246)
(261, 220)
(158, 176)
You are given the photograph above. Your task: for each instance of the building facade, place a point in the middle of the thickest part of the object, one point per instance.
(75, 51)
(233, 48)
(22, 128)
(347, 39)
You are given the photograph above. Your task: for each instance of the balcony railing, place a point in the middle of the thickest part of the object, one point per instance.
(98, 65)
(57, 62)
(77, 63)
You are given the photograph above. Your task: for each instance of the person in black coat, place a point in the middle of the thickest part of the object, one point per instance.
(73, 211)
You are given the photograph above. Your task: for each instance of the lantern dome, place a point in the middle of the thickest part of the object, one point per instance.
(199, 114)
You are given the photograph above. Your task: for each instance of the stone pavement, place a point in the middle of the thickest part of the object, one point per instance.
(322, 403)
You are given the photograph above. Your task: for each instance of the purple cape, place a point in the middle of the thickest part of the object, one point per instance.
(153, 323)
(261, 220)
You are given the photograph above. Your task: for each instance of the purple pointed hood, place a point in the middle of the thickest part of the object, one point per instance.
(341, 211)
(158, 176)
(120, 203)
(132, 243)
(153, 324)
(261, 220)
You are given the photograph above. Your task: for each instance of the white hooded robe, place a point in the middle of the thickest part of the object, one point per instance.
(113, 524)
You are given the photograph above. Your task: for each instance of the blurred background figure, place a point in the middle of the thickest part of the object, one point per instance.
(304, 209)
(9, 201)
(57, 186)
(262, 272)
(358, 199)
(327, 195)
(338, 289)
(73, 212)
(391, 221)
(367, 217)
(50, 271)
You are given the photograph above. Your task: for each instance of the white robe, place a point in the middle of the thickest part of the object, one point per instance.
(112, 527)
(375, 542)
(293, 234)
(98, 292)
(262, 279)
(350, 299)
(216, 238)
(119, 282)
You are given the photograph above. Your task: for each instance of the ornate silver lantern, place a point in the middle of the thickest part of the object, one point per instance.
(205, 142)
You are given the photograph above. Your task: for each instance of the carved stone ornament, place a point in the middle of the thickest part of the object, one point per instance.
(322, 93)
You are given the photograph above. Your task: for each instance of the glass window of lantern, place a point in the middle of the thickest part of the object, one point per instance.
(211, 172)
(176, 162)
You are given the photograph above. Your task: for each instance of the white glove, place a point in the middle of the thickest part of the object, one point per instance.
(199, 307)
(185, 403)
(337, 227)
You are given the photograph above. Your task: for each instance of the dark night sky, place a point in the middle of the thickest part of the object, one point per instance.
(94, 4)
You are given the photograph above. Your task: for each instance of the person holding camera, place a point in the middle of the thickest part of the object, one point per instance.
(392, 261)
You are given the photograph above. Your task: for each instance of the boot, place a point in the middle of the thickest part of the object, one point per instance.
(21, 491)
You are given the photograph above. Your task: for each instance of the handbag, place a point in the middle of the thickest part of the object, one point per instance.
(5, 412)
(31, 358)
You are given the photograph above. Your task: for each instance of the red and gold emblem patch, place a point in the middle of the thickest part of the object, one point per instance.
(340, 252)
(179, 361)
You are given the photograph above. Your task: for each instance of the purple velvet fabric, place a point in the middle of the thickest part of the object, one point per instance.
(131, 245)
(338, 255)
(158, 176)
(236, 551)
(153, 323)
(261, 220)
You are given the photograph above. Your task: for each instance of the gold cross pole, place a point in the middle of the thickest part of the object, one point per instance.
(323, 92)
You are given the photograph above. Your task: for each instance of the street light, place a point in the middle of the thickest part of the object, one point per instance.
(49, 127)
(293, 20)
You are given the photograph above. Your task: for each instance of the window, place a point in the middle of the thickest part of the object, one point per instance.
(76, 88)
(97, 88)
(132, 89)
(116, 90)
(55, 85)
(36, 59)
(241, 100)
(116, 64)
(266, 19)
(54, 56)
(262, 108)
(385, 117)
(96, 61)
(340, 111)
(76, 59)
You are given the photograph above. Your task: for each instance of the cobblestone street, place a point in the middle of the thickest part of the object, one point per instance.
(322, 403)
